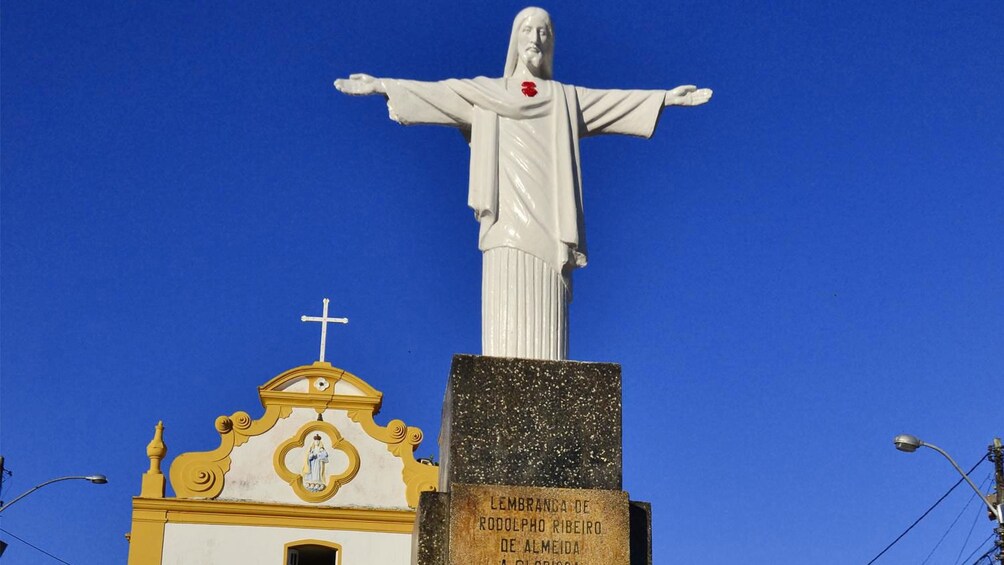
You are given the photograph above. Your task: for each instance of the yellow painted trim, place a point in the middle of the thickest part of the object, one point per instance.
(201, 474)
(322, 543)
(146, 538)
(295, 480)
(232, 513)
(317, 401)
(271, 392)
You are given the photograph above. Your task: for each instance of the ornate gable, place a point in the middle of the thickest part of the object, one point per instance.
(316, 444)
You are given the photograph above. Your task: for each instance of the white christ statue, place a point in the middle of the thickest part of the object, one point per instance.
(525, 182)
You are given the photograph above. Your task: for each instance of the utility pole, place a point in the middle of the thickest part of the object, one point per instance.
(3, 544)
(996, 456)
(1, 479)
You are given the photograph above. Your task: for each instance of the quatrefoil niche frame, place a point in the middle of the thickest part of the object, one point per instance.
(334, 482)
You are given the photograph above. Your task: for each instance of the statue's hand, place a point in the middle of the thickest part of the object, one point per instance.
(360, 85)
(687, 95)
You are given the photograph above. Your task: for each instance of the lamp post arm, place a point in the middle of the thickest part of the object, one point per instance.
(993, 509)
(49, 482)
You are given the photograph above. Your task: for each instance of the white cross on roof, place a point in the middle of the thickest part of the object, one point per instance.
(324, 320)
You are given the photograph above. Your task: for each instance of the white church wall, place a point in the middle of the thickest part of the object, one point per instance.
(347, 388)
(199, 544)
(378, 484)
(299, 385)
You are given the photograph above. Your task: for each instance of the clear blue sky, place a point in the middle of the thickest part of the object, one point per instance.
(790, 275)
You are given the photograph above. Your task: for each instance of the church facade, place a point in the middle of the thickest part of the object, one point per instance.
(313, 481)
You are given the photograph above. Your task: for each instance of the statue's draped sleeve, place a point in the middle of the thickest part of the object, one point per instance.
(474, 106)
(432, 103)
(452, 102)
(625, 112)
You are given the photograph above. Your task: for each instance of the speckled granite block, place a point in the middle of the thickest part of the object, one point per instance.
(431, 535)
(518, 423)
(525, 422)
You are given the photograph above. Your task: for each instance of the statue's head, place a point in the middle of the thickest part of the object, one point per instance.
(532, 43)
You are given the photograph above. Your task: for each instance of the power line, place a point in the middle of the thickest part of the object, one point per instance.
(33, 546)
(980, 558)
(924, 515)
(976, 517)
(955, 521)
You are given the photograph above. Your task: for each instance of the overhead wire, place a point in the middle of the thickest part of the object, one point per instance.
(982, 543)
(976, 517)
(33, 546)
(926, 512)
(955, 521)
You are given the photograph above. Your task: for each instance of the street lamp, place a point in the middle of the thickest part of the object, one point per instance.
(909, 444)
(96, 479)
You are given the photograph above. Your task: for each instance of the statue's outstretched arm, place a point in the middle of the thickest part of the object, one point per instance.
(361, 85)
(413, 101)
(686, 95)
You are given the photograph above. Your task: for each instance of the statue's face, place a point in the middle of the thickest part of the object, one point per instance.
(533, 40)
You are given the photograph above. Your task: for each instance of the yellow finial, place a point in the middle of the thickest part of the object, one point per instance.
(156, 450)
(153, 480)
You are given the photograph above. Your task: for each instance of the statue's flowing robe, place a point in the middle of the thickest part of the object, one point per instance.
(314, 469)
(525, 190)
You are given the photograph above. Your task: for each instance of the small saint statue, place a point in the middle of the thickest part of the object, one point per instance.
(525, 182)
(313, 466)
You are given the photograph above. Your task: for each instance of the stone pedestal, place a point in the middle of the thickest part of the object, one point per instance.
(531, 469)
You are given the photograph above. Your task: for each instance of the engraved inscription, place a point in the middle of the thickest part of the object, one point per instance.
(505, 525)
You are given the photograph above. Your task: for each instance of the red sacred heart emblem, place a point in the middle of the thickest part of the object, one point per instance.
(529, 88)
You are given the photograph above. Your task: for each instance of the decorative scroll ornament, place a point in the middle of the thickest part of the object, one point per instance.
(402, 440)
(201, 474)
